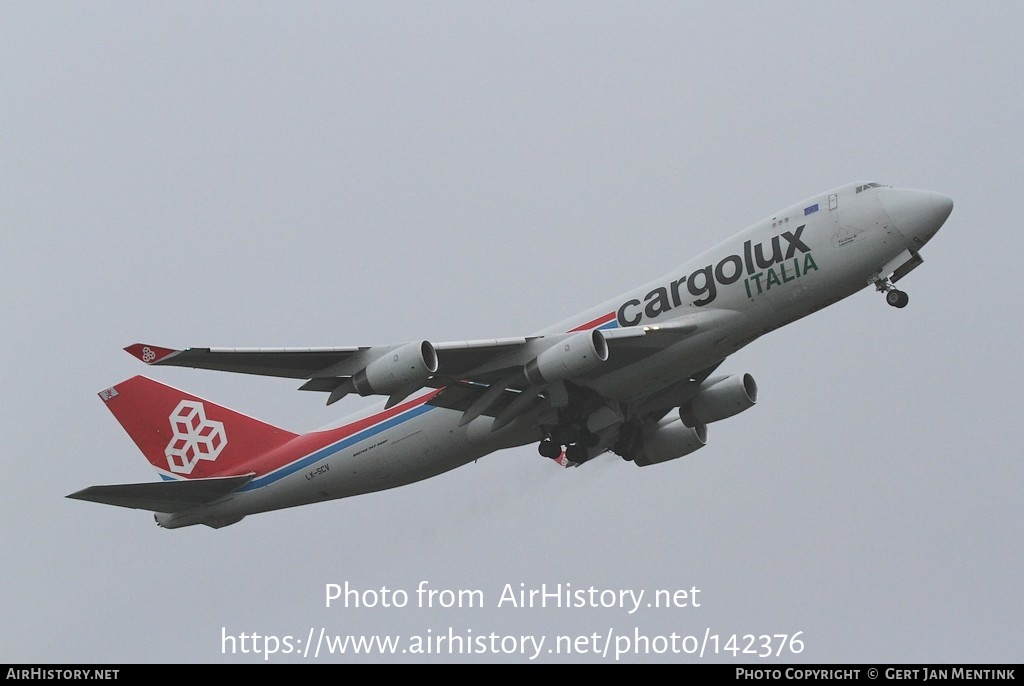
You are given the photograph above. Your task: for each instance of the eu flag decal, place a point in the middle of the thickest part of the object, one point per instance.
(811, 210)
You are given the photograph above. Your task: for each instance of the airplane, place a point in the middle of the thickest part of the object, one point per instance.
(635, 375)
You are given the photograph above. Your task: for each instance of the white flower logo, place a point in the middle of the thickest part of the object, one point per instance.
(195, 437)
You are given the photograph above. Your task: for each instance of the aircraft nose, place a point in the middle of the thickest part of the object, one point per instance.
(942, 206)
(918, 215)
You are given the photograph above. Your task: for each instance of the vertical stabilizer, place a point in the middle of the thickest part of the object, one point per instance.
(188, 437)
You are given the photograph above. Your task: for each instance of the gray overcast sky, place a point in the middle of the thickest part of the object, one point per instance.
(340, 174)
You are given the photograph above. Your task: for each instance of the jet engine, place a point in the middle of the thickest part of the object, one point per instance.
(397, 370)
(672, 439)
(570, 357)
(720, 399)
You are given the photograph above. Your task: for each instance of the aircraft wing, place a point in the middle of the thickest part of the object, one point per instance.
(316, 363)
(506, 368)
(295, 363)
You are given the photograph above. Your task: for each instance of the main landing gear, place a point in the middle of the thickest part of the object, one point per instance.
(577, 445)
(571, 433)
(549, 449)
(893, 296)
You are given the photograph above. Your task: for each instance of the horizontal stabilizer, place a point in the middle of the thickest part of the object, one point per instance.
(163, 496)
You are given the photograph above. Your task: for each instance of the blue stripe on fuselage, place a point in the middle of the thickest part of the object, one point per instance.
(329, 450)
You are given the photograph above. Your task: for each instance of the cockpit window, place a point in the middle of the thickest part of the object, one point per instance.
(867, 186)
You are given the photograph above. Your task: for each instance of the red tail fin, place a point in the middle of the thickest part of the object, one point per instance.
(186, 436)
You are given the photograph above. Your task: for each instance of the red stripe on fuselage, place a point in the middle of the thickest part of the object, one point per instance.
(309, 443)
(593, 324)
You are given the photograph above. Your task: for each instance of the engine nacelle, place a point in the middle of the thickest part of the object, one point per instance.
(398, 370)
(575, 355)
(670, 441)
(720, 400)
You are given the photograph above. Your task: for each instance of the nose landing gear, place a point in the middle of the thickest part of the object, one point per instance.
(897, 298)
(893, 296)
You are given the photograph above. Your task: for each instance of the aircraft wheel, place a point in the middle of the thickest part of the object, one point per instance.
(576, 453)
(897, 299)
(549, 449)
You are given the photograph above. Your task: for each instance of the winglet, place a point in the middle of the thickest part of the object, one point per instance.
(150, 354)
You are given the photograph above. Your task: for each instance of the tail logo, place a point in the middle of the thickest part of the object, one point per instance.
(195, 437)
(147, 354)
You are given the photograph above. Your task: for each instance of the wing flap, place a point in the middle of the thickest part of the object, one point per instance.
(163, 496)
(461, 396)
